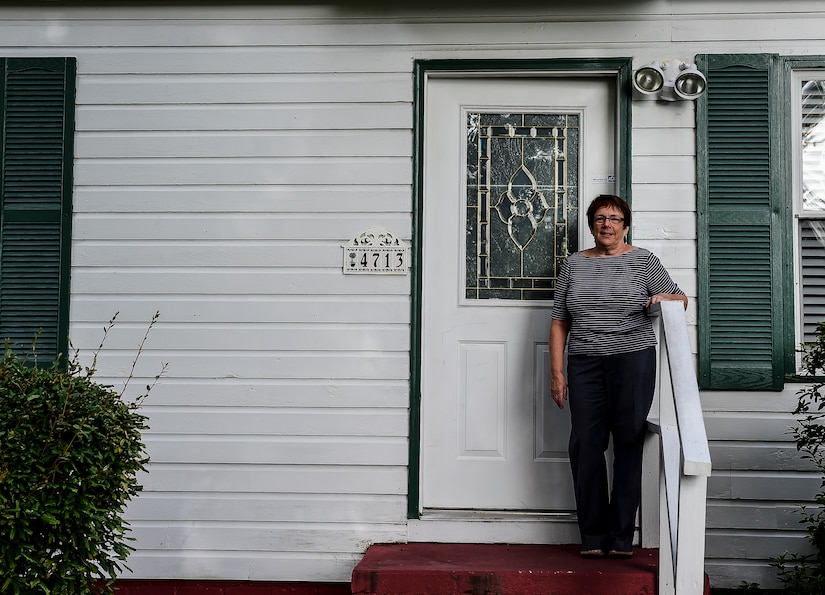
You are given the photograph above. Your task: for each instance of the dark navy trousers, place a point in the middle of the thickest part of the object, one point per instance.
(609, 395)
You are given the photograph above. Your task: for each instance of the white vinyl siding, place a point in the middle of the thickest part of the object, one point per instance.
(217, 188)
(757, 485)
(664, 191)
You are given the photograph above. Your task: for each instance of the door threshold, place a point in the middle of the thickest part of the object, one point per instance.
(493, 526)
(493, 515)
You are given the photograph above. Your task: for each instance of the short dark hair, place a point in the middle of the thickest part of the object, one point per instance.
(609, 200)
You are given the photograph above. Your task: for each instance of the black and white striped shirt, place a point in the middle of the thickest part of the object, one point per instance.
(604, 299)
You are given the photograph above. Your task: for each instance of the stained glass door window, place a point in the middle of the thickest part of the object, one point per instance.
(522, 202)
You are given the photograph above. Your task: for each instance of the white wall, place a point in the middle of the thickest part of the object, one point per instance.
(223, 155)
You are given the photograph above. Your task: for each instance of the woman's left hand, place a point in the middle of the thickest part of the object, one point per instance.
(661, 297)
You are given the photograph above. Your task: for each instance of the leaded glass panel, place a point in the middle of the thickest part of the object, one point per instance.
(522, 202)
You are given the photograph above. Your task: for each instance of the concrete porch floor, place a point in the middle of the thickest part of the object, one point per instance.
(493, 569)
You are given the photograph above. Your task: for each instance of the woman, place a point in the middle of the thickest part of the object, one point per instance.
(599, 314)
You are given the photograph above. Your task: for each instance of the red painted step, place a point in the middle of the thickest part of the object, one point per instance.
(493, 569)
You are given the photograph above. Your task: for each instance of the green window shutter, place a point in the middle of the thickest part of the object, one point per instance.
(740, 218)
(37, 128)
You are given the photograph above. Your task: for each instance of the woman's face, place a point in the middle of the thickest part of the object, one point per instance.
(608, 234)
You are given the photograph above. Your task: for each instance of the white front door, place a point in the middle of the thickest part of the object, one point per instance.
(510, 165)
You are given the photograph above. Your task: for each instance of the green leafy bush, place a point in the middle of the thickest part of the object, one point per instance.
(70, 452)
(805, 574)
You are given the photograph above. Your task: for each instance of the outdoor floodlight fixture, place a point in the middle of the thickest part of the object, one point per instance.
(669, 80)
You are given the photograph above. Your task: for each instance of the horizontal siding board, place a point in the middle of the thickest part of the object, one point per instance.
(230, 88)
(686, 281)
(244, 144)
(310, 508)
(86, 310)
(652, 118)
(218, 282)
(261, 536)
(671, 198)
(751, 545)
(244, 117)
(273, 447)
(271, 424)
(217, 227)
(242, 60)
(243, 565)
(749, 485)
(748, 426)
(743, 456)
(764, 27)
(664, 169)
(254, 364)
(733, 573)
(335, 36)
(293, 170)
(233, 254)
(667, 141)
(664, 226)
(259, 337)
(802, 8)
(782, 402)
(767, 516)
(251, 392)
(305, 14)
(293, 479)
(196, 198)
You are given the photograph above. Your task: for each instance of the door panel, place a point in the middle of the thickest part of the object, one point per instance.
(509, 163)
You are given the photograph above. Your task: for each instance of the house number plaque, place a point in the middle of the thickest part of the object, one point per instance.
(376, 251)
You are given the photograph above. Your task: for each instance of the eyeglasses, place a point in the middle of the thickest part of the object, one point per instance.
(601, 219)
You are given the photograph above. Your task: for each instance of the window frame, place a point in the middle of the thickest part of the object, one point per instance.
(795, 77)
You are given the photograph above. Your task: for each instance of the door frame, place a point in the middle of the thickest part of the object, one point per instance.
(619, 69)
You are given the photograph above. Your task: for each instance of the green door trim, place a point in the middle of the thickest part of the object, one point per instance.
(620, 68)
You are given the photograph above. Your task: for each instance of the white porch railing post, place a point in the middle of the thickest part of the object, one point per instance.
(667, 571)
(690, 566)
(685, 458)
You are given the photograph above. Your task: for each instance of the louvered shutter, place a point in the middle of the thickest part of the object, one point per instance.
(740, 237)
(35, 190)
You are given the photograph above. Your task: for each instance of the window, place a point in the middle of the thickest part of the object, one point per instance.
(809, 200)
(37, 129)
(522, 202)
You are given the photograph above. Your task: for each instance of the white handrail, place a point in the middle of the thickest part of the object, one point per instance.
(683, 458)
